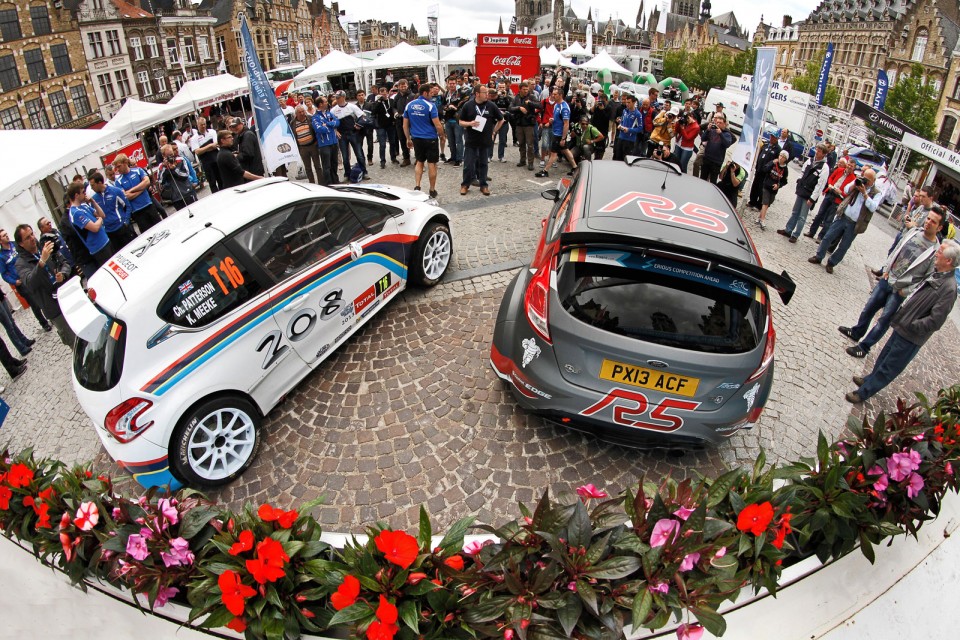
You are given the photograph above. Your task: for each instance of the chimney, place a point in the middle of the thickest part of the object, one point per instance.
(787, 21)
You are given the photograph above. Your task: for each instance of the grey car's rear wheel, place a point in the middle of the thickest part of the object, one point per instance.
(216, 441)
(431, 255)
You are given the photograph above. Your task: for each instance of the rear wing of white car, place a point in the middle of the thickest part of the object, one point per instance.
(84, 318)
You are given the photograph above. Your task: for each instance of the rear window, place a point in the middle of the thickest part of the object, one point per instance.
(97, 365)
(662, 301)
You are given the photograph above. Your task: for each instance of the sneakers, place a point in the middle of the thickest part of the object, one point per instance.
(47, 328)
(443, 158)
(853, 398)
(856, 351)
(847, 331)
(502, 159)
(543, 163)
(763, 227)
(783, 232)
(542, 173)
(433, 193)
(416, 188)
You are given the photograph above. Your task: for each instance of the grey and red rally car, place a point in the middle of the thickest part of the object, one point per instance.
(645, 316)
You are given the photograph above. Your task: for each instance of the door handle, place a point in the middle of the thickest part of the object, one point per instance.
(296, 303)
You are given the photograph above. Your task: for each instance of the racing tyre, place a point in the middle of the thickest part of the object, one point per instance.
(432, 254)
(216, 441)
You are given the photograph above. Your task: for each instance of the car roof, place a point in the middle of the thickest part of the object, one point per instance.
(615, 190)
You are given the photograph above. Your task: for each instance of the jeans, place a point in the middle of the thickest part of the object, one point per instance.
(366, 134)
(7, 360)
(475, 162)
(525, 138)
(798, 219)
(883, 298)
(683, 157)
(454, 134)
(388, 135)
(212, 171)
(824, 216)
(402, 139)
(13, 331)
(893, 359)
(347, 141)
(328, 160)
(843, 228)
(536, 140)
(310, 156)
(34, 307)
(502, 146)
(710, 170)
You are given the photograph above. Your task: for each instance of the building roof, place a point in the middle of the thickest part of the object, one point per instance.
(222, 10)
(129, 11)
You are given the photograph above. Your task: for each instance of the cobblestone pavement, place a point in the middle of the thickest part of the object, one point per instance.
(409, 412)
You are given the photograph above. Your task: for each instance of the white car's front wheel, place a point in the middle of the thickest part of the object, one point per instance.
(216, 441)
(432, 255)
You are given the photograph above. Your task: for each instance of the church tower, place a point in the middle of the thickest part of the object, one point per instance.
(527, 11)
(688, 8)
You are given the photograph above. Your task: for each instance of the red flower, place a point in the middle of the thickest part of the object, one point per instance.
(783, 528)
(381, 631)
(346, 593)
(245, 544)
(755, 518)
(454, 562)
(398, 547)
(237, 624)
(65, 540)
(271, 552)
(284, 518)
(233, 592)
(19, 476)
(386, 612)
(263, 572)
(5, 495)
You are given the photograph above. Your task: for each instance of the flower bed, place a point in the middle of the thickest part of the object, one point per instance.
(584, 566)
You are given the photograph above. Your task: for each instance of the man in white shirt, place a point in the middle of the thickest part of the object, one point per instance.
(348, 113)
(853, 216)
(203, 144)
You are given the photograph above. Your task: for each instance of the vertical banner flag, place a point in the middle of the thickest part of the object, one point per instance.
(589, 38)
(433, 12)
(222, 68)
(513, 24)
(283, 50)
(353, 34)
(824, 73)
(277, 144)
(662, 21)
(882, 85)
(746, 149)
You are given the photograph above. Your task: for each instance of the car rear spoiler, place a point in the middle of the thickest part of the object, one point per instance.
(782, 283)
(84, 318)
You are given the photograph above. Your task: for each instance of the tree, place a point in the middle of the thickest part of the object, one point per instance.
(744, 62)
(675, 64)
(913, 101)
(808, 80)
(708, 68)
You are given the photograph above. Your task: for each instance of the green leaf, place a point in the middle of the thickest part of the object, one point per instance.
(426, 531)
(196, 519)
(453, 540)
(642, 603)
(356, 611)
(866, 548)
(273, 627)
(569, 613)
(759, 464)
(714, 527)
(721, 487)
(588, 595)
(712, 621)
(614, 568)
(313, 548)
(487, 611)
(408, 608)
(631, 542)
(579, 528)
(823, 450)
(598, 548)
(219, 617)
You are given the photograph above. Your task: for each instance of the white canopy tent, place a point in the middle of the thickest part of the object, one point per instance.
(135, 116)
(550, 57)
(333, 63)
(576, 49)
(401, 56)
(603, 61)
(199, 94)
(467, 54)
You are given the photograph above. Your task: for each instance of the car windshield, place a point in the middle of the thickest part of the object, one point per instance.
(662, 301)
(99, 363)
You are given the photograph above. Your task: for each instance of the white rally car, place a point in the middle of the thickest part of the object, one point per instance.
(192, 333)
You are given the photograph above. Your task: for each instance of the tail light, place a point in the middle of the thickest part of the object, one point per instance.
(537, 301)
(767, 359)
(121, 421)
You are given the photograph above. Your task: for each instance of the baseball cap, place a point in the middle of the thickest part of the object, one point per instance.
(719, 104)
(340, 94)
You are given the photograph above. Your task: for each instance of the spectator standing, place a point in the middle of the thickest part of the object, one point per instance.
(776, 172)
(307, 144)
(480, 119)
(687, 129)
(325, 126)
(248, 148)
(366, 133)
(21, 343)
(503, 102)
(135, 184)
(662, 133)
(524, 110)
(838, 186)
(629, 129)
(715, 140)
(400, 101)
(174, 178)
(86, 216)
(600, 118)
(43, 271)
(232, 174)
(47, 229)
(853, 217)
(731, 181)
(204, 147)
(383, 115)
(768, 152)
(810, 185)
(424, 134)
(350, 131)
(8, 263)
(116, 216)
(559, 131)
(450, 108)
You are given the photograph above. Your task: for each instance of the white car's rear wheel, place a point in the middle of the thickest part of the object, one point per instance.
(432, 254)
(216, 441)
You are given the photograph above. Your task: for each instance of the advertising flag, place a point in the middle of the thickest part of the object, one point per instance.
(589, 38)
(222, 67)
(744, 152)
(433, 12)
(513, 24)
(662, 21)
(353, 35)
(882, 85)
(277, 144)
(824, 74)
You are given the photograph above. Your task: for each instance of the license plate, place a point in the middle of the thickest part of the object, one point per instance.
(664, 381)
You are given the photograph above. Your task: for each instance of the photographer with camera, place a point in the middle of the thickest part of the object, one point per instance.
(453, 100)
(43, 270)
(600, 118)
(715, 140)
(662, 133)
(585, 137)
(662, 153)
(732, 177)
(687, 130)
(174, 178)
(503, 101)
(853, 218)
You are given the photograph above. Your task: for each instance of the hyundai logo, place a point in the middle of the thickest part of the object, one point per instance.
(660, 364)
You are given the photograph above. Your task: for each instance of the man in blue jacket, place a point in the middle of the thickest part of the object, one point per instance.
(628, 129)
(715, 139)
(325, 126)
(116, 212)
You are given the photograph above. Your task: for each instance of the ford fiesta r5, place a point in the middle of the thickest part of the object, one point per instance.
(645, 316)
(192, 333)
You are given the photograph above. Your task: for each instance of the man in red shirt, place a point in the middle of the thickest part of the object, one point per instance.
(838, 185)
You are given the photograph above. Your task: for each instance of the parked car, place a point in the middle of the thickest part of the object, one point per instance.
(867, 157)
(796, 144)
(189, 336)
(645, 316)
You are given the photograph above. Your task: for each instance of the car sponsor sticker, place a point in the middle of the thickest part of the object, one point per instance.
(364, 299)
(664, 381)
(117, 269)
(625, 407)
(750, 395)
(531, 351)
(185, 287)
(150, 241)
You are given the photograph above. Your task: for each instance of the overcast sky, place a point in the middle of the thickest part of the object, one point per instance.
(466, 18)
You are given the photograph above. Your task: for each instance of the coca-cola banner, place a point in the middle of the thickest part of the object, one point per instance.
(514, 55)
(134, 151)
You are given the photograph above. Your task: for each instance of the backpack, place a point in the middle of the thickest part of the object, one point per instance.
(356, 173)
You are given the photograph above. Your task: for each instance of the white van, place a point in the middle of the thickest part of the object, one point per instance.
(734, 106)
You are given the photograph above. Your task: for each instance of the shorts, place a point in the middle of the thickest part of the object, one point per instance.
(426, 150)
(557, 144)
(768, 196)
(546, 137)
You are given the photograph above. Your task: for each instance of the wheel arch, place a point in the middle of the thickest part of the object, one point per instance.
(214, 395)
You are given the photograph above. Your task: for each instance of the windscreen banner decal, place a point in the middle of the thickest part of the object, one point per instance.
(670, 268)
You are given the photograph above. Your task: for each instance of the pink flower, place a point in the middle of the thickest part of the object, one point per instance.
(168, 510)
(689, 632)
(658, 587)
(722, 551)
(571, 586)
(880, 484)
(689, 561)
(664, 531)
(179, 554)
(164, 595)
(87, 516)
(146, 533)
(948, 468)
(508, 634)
(137, 547)
(914, 485)
(115, 513)
(589, 491)
(473, 547)
(683, 513)
(900, 465)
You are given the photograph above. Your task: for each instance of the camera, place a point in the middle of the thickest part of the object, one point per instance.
(51, 238)
(860, 182)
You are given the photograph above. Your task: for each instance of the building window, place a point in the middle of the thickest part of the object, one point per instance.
(189, 51)
(946, 130)
(40, 19)
(137, 48)
(11, 118)
(61, 59)
(937, 84)
(9, 77)
(10, 25)
(152, 49)
(919, 45)
(123, 82)
(956, 89)
(106, 87)
(177, 82)
(113, 41)
(891, 78)
(143, 79)
(159, 80)
(37, 114)
(203, 46)
(35, 67)
(95, 40)
(60, 108)
(80, 102)
(173, 52)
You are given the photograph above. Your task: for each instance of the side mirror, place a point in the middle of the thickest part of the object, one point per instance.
(551, 194)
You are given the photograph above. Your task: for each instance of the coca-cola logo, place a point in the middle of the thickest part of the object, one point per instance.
(523, 41)
(506, 61)
(137, 156)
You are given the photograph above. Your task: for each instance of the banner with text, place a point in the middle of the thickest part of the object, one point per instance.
(515, 55)
(745, 151)
(433, 12)
(887, 125)
(824, 74)
(277, 144)
(880, 98)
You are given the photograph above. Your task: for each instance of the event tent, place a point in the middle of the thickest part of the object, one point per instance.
(135, 116)
(467, 54)
(603, 61)
(401, 56)
(575, 50)
(199, 94)
(550, 57)
(333, 63)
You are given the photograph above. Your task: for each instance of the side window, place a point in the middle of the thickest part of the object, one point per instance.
(214, 286)
(371, 214)
(344, 226)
